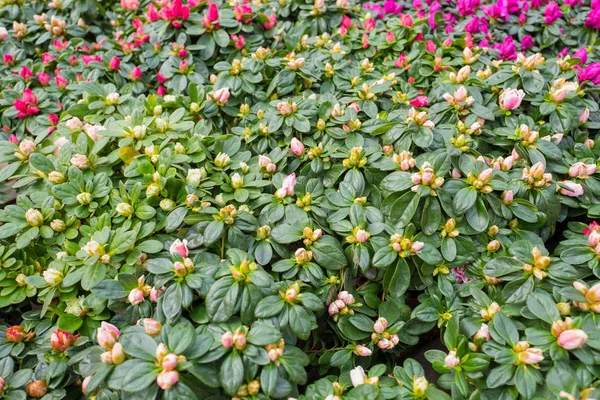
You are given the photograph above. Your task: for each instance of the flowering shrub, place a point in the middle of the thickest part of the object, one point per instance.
(284, 199)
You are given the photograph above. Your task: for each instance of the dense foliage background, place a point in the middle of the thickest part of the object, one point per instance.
(287, 199)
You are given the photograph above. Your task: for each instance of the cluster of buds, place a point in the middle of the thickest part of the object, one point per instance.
(287, 187)
(252, 388)
(107, 338)
(568, 337)
(241, 273)
(304, 202)
(383, 339)
(358, 377)
(404, 160)
(56, 26)
(220, 97)
(460, 76)
(583, 394)
(482, 335)
(226, 214)
(303, 256)
(449, 229)
(468, 56)
(168, 361)
(461, 142)
(488, 313)
(266, 166)
(581, 170)
(592, 297)
(237, 181)
(426, 177)
(195, 176)
(536, 176)
(26, 148)
(451, 359)
(560, 89)
(18, 334)
(529, 63)
(287, 108)
(527, 355)
(366, 94)
(93, 248)
(460, 99)
(340, 306)
(235, 340)
(526, 136)
(357, 159)
(182, 268)
(419, 118)
(61, 340)
(540, 263)
(291, 294)
(136, 296)
(481, 181)
(275, 351)
(503, 164)
(358, 236)
(310, 235)
(404, 246)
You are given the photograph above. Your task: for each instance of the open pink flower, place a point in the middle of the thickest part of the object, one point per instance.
(27, 104)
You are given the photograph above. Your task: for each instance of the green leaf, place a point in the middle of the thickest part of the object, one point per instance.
(328, 253)
(542, 306)
(175, 218)
(139, 345)
(213, 232)
(397, 279)
(232, 373)
(93, 275)
(503, 329)
(69, 322)
(110, 289)
(577, 255)
(465, 199)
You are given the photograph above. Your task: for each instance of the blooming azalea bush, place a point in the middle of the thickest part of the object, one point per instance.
(286, 199)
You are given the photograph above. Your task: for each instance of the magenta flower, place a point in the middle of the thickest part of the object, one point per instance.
(27, 104)
(552, 12)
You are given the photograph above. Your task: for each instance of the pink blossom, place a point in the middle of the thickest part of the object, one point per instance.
(179, 247)
(297, 147)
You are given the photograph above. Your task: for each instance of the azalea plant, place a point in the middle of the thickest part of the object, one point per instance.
(299, 199)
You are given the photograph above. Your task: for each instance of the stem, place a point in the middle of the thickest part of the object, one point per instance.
(223, 245)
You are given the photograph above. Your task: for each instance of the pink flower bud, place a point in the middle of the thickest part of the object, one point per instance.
(169, 362)
(507, 197)
(84, 384)
(212, 14)
(511, 98)
(380, 325)
(179, 248)
(227, 340)
(486, 175)
(221, 96)
(346, 297)
(451, 359)
(239, 339)
(415, 247)
(136, 74)
(114, 63)
(483, 332)
(574, 189)
(362, 351)
(390, 37)
(61, 340)
(117, 354)
(152, 327)
(107, 335)
(136, 296)
(572, 339)
(161, 351)
(361, 236)
(297, 147)
(531, 356)
(167, 379)
(333, 309)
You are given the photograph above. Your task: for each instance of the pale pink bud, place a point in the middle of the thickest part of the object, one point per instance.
(572, 339)
(297, 147)
(107, 335)
(221, 96)
(456, 174)
(227, 340)
(84, 384)
(136, 296)
(117, 354)
(179, 247)
(169, 362)
(483, 332)
(574, 189)
(333, 309)
(380, 325)
(152, 327)
(511, 98)
(166, 379)
(531, 356)
(346, 297)
(361, 236)
(507, 197)
(415, 247)
(451, 359)
(362, 350)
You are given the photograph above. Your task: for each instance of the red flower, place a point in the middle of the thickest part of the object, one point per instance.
(27, 104)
